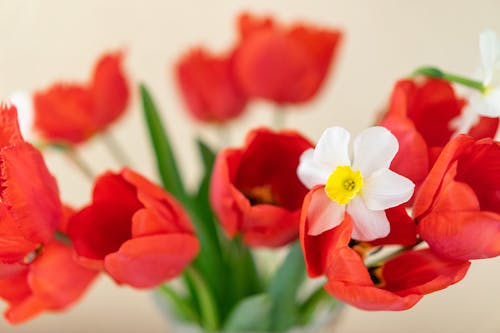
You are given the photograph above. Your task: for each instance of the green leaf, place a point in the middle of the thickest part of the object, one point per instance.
(284, 287)
(251, 314)
(243, 278)
(165, 158)
(202, 199)
(208, 307)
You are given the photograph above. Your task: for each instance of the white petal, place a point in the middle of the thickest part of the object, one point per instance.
(323, 214)
(488, 46)
(333, 148)
(385, 189)
(367, 224)
(310, 172)
(374, 149)
(24, 104)
(488, 105)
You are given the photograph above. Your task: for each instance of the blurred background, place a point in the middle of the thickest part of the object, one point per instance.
(50, 40)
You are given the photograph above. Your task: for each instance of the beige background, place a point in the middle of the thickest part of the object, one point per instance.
(41, 41)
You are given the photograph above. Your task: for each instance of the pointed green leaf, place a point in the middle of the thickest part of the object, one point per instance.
(165, 157)
(284, 287)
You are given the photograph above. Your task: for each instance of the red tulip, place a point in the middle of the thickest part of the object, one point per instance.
(255, 191)
(30, 208)
(72, 113)
(52, 282)
(283, 64)
(458, 206)
(134, 230)
(396, 284)
(420, 115)
(209, 87)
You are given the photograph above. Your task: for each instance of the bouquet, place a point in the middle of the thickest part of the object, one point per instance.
(376, 223)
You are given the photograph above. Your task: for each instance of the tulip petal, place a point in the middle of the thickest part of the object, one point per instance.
(367, 224)
(421, 272)
(9, 131)
(146, 262)
(385, 189)
(403, 228)
(374, 149)
(350, 282)
(323, 214)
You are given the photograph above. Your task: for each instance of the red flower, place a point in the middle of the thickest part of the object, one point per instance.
(283, 64)
(209, 87)
(420, 115)
(53, 281)
(458, 205)
(134, 230)
(72, 113)
(30, 209)
(255, 191)
(397, 284)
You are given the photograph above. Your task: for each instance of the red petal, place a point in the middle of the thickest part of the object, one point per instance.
(485, 128)
(9, 127)
(146, 262)
(56, 279)
(171, 214)
(403, 228)
(426, 194)
(411, 143)
(283, 65)
(349, 281)
(209, 87)
(64, 113)
(29, 192)
(421, 272)
(109, 89)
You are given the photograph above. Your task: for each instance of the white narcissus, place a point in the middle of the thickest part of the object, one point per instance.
(487, 103)
(363, 188)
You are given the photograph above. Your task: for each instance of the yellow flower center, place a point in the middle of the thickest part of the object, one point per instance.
(343, 184)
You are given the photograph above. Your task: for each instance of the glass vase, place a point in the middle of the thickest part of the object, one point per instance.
(324, 321)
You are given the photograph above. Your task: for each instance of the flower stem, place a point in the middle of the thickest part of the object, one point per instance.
(309, 306)
(76, 159)
(279, 118)
(115, 149)
(179, 303)
(437, 73)
(208, 307)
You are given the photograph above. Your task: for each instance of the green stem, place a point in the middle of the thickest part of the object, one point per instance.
(78, 161)
(437, 73)
(208, 307)
(115, 149)
(393, 254)
(179, 303)
(309, 306)
(278, 118)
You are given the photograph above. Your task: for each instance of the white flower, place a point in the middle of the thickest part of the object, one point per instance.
(487, 103)
(363, 188)
(23, 102)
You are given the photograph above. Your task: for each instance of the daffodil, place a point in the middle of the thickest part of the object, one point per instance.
(487, 102)
(363, 187)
